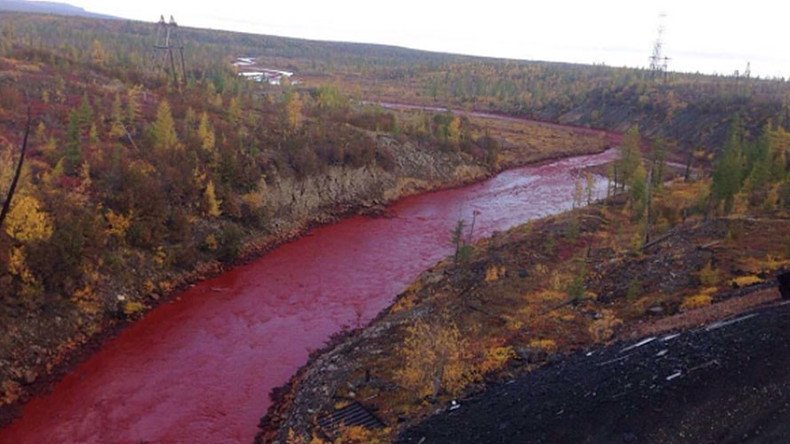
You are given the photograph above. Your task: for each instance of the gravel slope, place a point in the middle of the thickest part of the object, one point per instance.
(726, 382)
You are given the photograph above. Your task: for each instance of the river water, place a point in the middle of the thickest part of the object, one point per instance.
(199, 368)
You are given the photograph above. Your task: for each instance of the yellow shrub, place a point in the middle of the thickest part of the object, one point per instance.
(149, 286)
(603, 329)
(547, 297)
(118, 224)
(359, 435)
(435, 357)
(745, 281)
(513, 324)
(341, 404)
(160, 256)
(211, 242)
(405, 302)
(495, 358)
(17, 266)
(548, 345)
(132, 307)
(27, 221)
(756, 265)
(293, 438)
(87, 300)
(166, 286)
(557, 281)
(493, 273)
(698, 300)
(541, 270)
(708, 276)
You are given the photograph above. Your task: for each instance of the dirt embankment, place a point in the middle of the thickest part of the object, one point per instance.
(514, 314)
(37, 348)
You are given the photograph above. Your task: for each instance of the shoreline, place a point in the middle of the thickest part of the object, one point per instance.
(252, 250)
(293, 399)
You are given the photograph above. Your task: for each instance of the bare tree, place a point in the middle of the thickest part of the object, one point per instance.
(17, 173)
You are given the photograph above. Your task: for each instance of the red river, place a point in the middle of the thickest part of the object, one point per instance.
(199, 368)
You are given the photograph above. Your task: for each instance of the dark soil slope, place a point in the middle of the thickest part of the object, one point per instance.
(727, 382)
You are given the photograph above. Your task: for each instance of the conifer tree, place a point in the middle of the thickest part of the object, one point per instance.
(293, 110)
(630, 157)
(454, 131)
(658, 160)
(85, 114)
(638, 190)
(164, 129)
(206, 133)
(116, 118)
(728, 171)
(212, 204)
(73, 154)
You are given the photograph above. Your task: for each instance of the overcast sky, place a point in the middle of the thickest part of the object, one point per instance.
(706, 36)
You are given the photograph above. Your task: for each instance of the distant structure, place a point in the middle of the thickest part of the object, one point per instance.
(167, 40)
(658, 61)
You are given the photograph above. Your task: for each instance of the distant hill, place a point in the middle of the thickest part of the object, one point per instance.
(47, 8)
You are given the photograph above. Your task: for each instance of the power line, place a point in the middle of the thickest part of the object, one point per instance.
(658, 61)
(167, 40)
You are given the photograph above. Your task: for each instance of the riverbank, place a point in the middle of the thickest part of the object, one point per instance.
(503, 313)
(341, 193)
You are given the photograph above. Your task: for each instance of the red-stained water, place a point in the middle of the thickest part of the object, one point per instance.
(199, 369)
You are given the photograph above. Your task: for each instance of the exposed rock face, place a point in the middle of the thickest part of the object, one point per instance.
(321, 197)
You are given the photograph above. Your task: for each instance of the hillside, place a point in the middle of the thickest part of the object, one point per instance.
(691, 110)
(48, 8)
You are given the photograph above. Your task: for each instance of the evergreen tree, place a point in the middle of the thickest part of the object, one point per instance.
(73, 154)
(728, 171)
(759, 168)
(658, 161)
(234, 111)
(638, 190)
(457, 239)
(85, 113)
(630, 157)
(98, 54)
(116, 118)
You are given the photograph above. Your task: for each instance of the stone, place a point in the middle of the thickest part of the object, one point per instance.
(784, 284)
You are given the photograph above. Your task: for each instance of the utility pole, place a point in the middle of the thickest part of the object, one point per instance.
(658, 61)
(167, 40)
